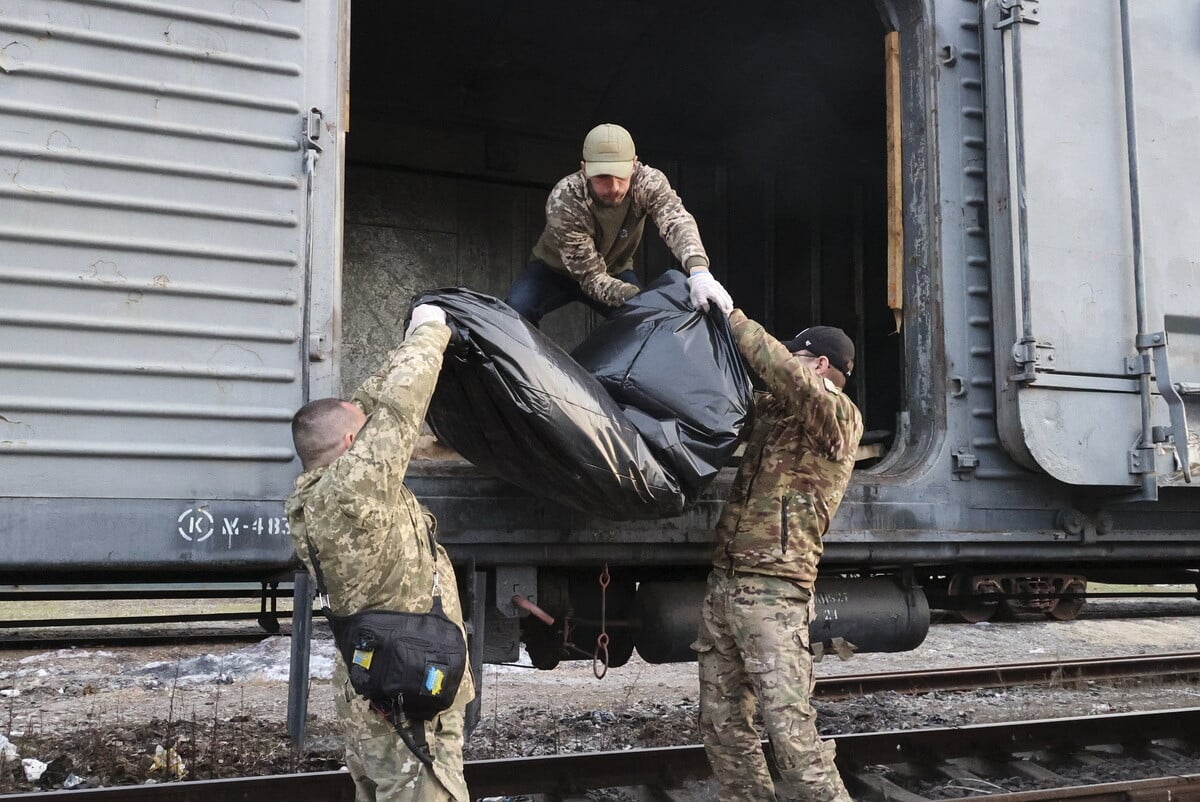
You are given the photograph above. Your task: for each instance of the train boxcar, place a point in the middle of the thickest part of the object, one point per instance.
(213, 211)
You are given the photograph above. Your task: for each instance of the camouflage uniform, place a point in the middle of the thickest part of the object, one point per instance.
(593, 243)
(753, 643)
(372, 539)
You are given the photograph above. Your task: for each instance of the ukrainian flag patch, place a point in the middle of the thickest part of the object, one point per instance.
(434, 679)
(362, 657)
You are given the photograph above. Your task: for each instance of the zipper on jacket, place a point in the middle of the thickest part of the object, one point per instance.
(737, 526)
(783, 524)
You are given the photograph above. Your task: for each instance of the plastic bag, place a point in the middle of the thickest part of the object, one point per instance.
(516, 405)
(678, 377)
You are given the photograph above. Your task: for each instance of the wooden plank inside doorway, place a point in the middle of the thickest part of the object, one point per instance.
(895, 180)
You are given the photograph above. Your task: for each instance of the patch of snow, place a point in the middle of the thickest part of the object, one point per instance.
(269, 659)
(64, 654)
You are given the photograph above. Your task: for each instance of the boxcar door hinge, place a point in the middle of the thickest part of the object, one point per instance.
(1031, 356)
(1141, 460)
(1139, 365)
(964, 462)
(1013, 12)
(1176, 434)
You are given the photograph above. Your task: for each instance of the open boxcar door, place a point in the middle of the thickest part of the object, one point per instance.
(1095, 236)
(170, 233)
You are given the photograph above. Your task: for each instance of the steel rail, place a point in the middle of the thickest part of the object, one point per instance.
(971, 740)
(1175, 664)
(318, 786)
(179, 590)
(126, 620)
(171, 638)
(1184, 788)
(334, 786)
(670, 766)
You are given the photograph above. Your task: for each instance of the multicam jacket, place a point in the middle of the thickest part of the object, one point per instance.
(593, 243)
(795, 469)
(371, 534)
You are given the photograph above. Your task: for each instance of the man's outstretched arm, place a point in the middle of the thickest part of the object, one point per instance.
(396, 399)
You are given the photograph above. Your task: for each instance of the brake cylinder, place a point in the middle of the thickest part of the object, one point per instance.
(875, 614)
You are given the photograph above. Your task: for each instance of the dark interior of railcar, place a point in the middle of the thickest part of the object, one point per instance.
(768, 117)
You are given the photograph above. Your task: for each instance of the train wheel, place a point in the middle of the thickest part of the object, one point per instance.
(543, 645)
(1007, 610)
(970, 609)
(1068, 609)
(269, 622)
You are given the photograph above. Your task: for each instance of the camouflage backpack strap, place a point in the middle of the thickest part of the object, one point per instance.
(430, 530)
(322, 593)
(437, 579)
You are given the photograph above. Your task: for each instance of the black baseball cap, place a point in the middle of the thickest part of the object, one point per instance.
(827, 341)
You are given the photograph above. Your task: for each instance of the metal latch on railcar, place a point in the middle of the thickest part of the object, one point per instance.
(1188, 394)
(312, 129)
(1152, 358)
(1013, 12)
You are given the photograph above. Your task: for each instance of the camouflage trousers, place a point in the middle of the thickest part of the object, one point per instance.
(753, 653)
(383, 767)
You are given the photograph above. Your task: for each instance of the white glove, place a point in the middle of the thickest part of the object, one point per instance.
(424, 313)
(705, 289)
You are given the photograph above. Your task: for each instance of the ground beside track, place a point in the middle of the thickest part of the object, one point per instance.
(100, 713)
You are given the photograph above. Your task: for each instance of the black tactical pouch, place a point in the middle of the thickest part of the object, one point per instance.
(410, 661)
(407, 665)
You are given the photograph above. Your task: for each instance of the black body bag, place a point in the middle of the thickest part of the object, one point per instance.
(414, 661)
(633, 425)
(678, 377)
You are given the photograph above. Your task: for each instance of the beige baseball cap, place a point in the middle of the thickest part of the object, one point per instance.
(608, 150)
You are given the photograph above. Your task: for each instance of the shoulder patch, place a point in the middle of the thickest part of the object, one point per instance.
(830, 386)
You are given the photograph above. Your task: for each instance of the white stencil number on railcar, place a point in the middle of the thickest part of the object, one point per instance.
(829, 604)
(258, 526)
(197, 525)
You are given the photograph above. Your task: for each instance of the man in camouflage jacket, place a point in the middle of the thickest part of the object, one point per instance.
(753, 644)
(374, 543)
(595, 219)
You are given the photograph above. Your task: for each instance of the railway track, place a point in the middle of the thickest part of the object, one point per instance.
(1177, 665)
(147, 639)
(131, 621)
(1135, 757)
(150, 630)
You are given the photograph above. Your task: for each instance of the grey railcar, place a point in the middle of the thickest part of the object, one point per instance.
(206, 221)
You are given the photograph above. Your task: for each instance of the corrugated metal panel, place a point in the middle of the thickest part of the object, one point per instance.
(152, 247)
